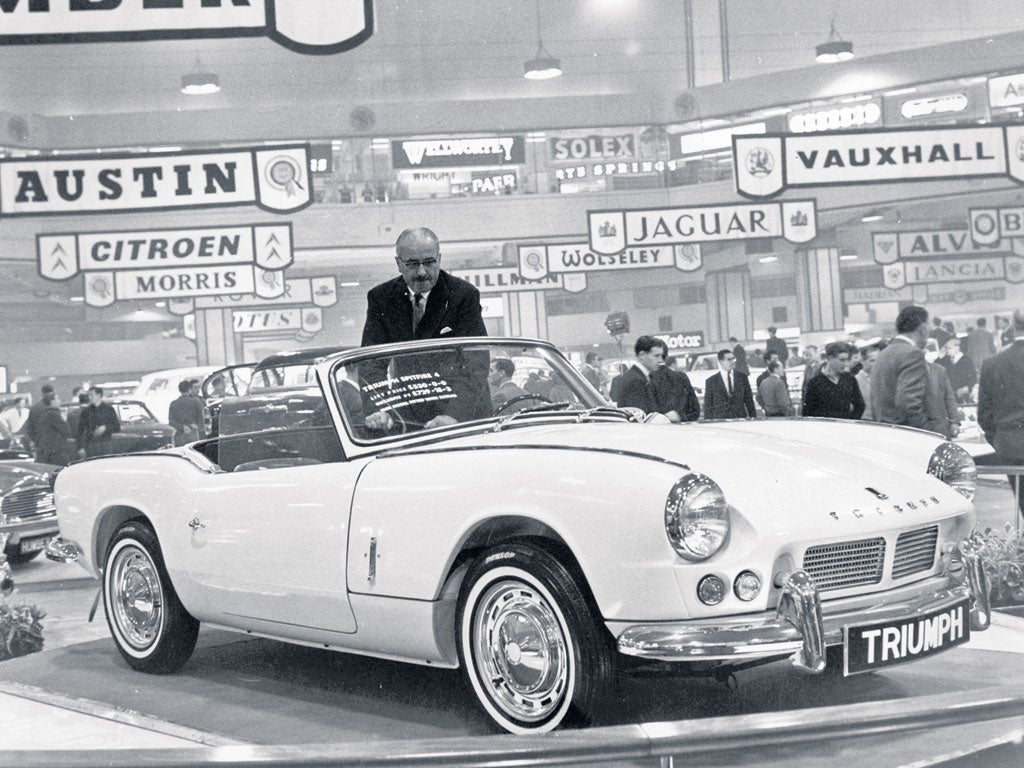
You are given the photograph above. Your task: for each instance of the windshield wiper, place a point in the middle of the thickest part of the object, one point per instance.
(605, 410)
(537, 409)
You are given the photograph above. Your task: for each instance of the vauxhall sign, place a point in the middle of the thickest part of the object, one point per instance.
(275, 179)
(170, 263)
(305, 26)
(766, 165)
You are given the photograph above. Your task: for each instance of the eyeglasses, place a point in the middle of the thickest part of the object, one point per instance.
(415, 265)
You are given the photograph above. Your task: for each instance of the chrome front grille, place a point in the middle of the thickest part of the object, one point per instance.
(28, 505)
(915, 551)
(846, 564)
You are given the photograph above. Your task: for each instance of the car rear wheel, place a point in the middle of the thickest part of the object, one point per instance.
(529, 642)
(152, 630)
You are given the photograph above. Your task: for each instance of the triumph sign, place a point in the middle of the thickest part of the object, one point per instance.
(766, 165)
(304, 26)
(275, 179)
(611, 232)
(170, 263)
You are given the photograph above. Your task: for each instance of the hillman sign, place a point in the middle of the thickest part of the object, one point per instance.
(611, 232)
(508, 279)
(538, 261)
(275, 179)
(890, 247)
(765, 165)
(170, 263)
(305, 26)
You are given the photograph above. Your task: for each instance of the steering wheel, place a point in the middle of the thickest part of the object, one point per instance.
(518, 399)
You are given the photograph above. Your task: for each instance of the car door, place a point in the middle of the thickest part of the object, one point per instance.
(267, 545)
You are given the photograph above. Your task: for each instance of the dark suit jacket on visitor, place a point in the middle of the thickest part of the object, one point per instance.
(718, 404)
(899, 383)
(635, 390)
(453, 309)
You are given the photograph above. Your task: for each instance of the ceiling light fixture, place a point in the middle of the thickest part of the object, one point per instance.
(200, 82)
(768, 259)
(834, 48)
(848, 257)
(543, 66)
(875, 214)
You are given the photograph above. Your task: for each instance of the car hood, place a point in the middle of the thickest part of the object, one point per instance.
(858, 471)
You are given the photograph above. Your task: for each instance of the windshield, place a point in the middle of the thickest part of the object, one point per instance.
(134, 413)
(282, 376)
(381, 397)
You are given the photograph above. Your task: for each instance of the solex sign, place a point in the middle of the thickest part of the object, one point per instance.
(766, 165)
(275, 179)
(305, 26)
(170, 263)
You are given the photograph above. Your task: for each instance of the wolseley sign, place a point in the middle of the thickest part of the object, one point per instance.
(305, 26)
(766, 165)
(275, 179)
(890, 247)
(171, 263)
(611, 232)
(538, 261)
(508, 279)
(989, 225)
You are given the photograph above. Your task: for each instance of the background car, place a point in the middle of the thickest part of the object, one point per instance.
(140, 429)
(27, 510)
(385, 506)
(705, 365)
(159, 388)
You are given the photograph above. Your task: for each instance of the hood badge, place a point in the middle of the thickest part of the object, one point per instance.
(877, 493)
(883, 510)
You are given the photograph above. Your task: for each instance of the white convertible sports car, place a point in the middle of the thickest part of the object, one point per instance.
(543, 542)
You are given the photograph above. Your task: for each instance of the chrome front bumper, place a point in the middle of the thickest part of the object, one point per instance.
(798, 628)
(62, 550)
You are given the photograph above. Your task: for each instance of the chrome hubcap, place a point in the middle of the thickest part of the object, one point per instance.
(521, 650)
(136, 597)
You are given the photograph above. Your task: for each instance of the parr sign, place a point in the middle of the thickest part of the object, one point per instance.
(766, 165)
(305, 26)
(611, 232)
(538, 261)
(275, 179)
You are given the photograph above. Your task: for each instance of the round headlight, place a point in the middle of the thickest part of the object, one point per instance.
(746, 586)
(955, 467)
(711, 590)
(696, 517)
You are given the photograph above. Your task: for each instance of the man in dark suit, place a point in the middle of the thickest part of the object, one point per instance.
(1001, 402)
(673, 393)
(634, 388)
(899, 377)
(741, 356)
(425, 302)
(727, 394)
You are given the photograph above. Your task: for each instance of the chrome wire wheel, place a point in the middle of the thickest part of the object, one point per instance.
(521, 647)
(136, 597)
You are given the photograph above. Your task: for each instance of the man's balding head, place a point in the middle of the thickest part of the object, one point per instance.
(418, 255)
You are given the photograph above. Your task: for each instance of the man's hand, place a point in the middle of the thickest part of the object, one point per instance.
(440, 421)
(380, 421)
(100, 430)
(673, 416)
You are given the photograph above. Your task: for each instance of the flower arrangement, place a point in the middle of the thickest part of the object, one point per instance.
(21, 631)
(1003, 555)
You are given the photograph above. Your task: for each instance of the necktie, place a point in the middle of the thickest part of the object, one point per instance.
(417, 310)
(729, 384)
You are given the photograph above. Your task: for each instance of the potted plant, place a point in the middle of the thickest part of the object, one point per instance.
(21, 629)
(1003, 555)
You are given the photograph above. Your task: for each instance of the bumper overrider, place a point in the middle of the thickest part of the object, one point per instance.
(799, 628)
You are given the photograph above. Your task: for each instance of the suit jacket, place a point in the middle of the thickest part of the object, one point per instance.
(453, 303)
(1001, 395)
(741, 360)
(899, 384)
(673, 392)
(718, 404)
(635, 390)
(940, 403)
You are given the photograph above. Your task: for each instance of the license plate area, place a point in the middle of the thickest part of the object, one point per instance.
(33, 545)
(867, 647)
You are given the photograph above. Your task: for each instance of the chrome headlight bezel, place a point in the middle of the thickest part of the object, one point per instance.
(696, 517)
(954, 466)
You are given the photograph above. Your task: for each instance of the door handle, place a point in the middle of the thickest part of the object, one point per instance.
(195, 525)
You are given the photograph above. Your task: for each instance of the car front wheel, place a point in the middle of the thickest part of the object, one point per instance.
(529, 642)
(151, 628)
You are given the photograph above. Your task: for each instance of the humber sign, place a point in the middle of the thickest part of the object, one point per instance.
(304, 26)
(766, 165)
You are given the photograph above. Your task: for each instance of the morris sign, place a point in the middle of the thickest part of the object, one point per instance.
(275, 179)
(304, 26)
(170, 263)
(766, 165)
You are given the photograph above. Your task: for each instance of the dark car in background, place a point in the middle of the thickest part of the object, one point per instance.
(27, 513)
(140, 429)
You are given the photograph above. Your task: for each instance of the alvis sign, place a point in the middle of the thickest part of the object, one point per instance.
(175, 263)
(275, 179)
(766, 165)
(304, 26)
(612, 232)
(890, 247)
(538, 261)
